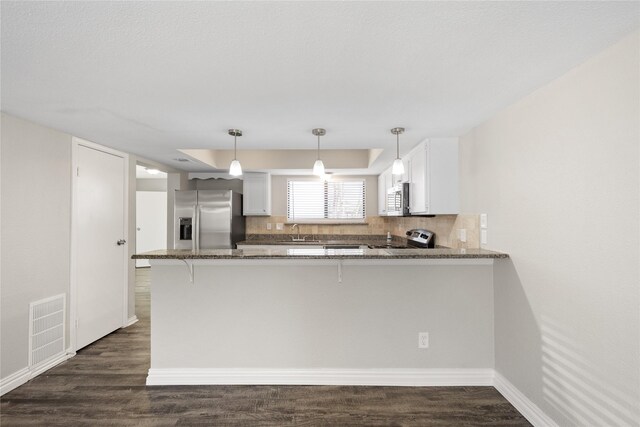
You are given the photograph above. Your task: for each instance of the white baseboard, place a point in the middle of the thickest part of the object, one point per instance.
(14, 380)
(522, 403)
(25, 374)
(37, 370)
(362, 377)
(133, 319)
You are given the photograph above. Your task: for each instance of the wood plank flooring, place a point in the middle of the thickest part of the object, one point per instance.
(104, 384)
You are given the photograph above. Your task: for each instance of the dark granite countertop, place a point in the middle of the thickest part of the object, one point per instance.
(320, 242)
(317, 253)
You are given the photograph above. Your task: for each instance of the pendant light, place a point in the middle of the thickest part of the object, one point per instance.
(398, 166)
(234, 168)
(318, 166)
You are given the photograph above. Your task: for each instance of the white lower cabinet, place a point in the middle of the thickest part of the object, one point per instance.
(280, 247)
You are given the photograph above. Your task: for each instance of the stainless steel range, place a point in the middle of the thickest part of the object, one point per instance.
(416, 239)
(421, 238)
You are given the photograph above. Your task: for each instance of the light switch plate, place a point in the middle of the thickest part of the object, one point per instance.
(462, 234)
(483, 220)
(483, 237)
(279, 226)
(268, 226)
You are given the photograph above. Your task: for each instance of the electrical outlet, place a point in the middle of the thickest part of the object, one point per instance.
(279, 226)
(483, 237)
(423, 339)
(483, 220)
(462, 234)
(268, 226)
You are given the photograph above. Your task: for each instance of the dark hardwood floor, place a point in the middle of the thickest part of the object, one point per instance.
(104, 384)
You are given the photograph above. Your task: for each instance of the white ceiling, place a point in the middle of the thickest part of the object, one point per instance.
(153, 77)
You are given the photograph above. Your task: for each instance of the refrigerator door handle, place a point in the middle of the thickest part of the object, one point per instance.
(196, 228)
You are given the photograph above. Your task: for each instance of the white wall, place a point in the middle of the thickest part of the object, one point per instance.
(558, 175)
(151, 222)
(36, 212)
(36, 222)
(151, 184)
(293, 314)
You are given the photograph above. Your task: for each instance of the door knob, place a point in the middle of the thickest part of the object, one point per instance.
(121, 242)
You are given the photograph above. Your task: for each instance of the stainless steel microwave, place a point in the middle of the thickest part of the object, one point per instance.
(398, 200)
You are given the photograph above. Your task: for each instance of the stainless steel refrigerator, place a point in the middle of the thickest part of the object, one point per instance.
(208, 219)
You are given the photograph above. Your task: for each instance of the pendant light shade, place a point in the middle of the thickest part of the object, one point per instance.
(318, 166)
(398, 166)
(234, 168)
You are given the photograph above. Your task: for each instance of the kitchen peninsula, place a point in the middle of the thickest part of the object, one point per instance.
(322, 316)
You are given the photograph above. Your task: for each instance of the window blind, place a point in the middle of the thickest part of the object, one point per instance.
(321, 200)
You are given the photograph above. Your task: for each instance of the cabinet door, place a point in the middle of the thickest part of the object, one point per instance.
(418, 197)
(256, 194)
(281, 247)
(406, 162)
(382, 194)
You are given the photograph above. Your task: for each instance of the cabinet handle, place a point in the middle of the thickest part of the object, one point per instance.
(121, 242)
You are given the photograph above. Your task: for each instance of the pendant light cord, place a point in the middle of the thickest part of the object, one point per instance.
(397, 145)
(235, 151)
(318, 147)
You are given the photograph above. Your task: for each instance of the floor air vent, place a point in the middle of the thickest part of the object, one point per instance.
(46, 329)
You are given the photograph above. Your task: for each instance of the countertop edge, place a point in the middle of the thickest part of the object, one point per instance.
(239, 256)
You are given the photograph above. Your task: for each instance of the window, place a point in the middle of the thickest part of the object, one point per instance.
(326, 201)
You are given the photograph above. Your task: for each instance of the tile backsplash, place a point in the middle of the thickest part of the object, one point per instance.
(445, 226)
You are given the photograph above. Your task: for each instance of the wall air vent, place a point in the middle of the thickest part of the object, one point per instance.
(46, 329)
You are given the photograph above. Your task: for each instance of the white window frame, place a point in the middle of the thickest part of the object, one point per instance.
(362, 220)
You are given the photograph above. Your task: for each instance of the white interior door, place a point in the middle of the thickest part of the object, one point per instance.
(101, 261)
(151, 223)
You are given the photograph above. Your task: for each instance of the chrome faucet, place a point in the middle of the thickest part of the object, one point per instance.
(298, 239)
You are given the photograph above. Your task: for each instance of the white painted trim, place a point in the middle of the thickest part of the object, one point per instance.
(14, 380)
(133, 319)
(73, 279)
(522, 403)
(25, 374)
(73, 287)
(214, 175)
(50, 364)
(126, 252)
(357, 377)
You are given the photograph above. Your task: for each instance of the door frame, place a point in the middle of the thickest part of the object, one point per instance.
(76, 143)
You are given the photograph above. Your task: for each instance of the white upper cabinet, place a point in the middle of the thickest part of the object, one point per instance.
(434, 177)
(384, 182)
(418, 186)
(256, 194)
